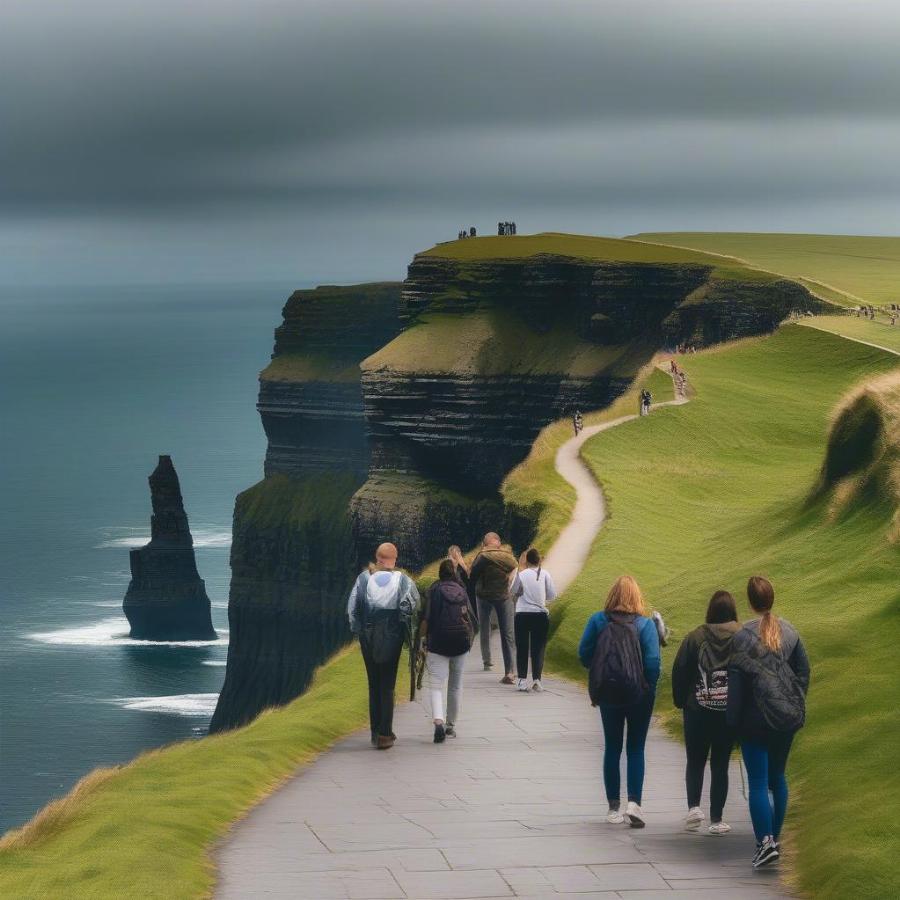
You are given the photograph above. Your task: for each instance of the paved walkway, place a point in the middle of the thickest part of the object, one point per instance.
(512, 807)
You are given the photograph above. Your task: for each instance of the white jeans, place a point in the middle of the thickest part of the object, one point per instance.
(440, 669)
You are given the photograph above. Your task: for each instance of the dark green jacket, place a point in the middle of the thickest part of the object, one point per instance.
(685, 671)
(490, 573)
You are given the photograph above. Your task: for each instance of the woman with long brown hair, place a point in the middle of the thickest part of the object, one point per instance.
(620, 647)
(767, 682)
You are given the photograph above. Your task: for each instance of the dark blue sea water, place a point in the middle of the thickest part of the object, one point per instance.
(95, 383)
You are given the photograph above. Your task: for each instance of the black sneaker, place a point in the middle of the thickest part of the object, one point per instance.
(449, 730)
(439, 733)
(766, 853)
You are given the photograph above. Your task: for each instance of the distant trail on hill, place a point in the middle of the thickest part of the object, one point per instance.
(567, 556)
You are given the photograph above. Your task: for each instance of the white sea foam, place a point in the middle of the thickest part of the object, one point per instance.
(177, 704)
(205, 536)
(213, 662)
(113, 633)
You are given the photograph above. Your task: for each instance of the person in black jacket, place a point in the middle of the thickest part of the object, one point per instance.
(448, 627)
(767, 681)
(700, 690)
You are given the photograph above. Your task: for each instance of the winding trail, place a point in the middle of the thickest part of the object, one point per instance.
(513, 807)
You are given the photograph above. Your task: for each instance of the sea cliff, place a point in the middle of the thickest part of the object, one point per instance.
(394, 411)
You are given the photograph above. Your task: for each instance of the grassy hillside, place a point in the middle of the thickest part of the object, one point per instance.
(581, 246)
(492, 342)
(145, 829)
(879, 332)
(845, 269)
(719, 490)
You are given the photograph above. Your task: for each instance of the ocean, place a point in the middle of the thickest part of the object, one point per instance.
(95, 383)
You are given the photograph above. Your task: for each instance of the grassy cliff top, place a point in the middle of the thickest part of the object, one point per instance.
(490, 342)
(589, 248)
(847, 269)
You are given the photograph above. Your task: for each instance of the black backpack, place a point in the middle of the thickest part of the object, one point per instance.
(776, 688)
(453, 631)
(616, 676)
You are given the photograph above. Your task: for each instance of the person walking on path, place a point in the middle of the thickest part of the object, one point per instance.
(448, 629)
(382, 606)
(700, 690)
(490, 575)
(768, 678)
(620, 647)
(532, 590)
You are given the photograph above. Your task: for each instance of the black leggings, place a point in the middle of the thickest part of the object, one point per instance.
(531, 629)
(707, 735)
(382, 679)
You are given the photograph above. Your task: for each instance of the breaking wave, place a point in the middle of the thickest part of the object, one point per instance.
(113, 633)
(205, 536)
(176, 704)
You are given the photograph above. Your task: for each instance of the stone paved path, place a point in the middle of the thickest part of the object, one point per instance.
(513, 807)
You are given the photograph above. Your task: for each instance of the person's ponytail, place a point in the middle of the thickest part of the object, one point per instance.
(761, 595)
(770, 631)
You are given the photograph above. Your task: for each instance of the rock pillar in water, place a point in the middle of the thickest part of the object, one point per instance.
(166, 599)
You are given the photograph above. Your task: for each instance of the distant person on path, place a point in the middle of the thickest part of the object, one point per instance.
(646, 399)
(578, 422)
(700, 690)
(448, 628)
(532, 590)
(490, 575)
(767, 683)
(620, 648)
(382, 605)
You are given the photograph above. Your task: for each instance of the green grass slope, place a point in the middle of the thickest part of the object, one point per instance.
(704, 495)
(878, 332)
(146, 829)
(842, 268)
(577, 246)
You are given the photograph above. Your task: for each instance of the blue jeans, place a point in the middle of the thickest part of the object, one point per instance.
(615, 718)
(765, 772)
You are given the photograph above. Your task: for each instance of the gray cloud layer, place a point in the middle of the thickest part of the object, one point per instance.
(172, 117)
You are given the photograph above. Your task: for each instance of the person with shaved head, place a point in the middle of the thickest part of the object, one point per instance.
(382, 603)
(490, 577)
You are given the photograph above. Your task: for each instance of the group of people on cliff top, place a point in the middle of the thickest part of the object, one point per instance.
(506, 229)
(735, 684)
(464, 233)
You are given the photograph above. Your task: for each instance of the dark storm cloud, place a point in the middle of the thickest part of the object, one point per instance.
(133, 107)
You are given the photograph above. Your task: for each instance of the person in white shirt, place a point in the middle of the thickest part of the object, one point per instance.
(532, 590)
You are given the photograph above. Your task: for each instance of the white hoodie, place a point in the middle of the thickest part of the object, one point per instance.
(533, 590)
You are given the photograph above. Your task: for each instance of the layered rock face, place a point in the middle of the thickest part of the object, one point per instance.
(293, 555)
(166, 598)
(310, 399)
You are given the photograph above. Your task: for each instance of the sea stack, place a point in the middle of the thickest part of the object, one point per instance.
(166, 599)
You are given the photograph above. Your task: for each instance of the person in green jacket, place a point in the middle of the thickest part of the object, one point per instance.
(490, 577)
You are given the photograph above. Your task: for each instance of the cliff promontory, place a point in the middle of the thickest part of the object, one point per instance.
(395, 411)
(166, 598)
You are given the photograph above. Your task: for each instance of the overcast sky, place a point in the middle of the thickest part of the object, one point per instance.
(266, 140)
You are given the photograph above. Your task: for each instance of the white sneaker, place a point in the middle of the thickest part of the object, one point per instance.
(719, 828)
(521, 685)
(614, 817)
(633, 815)
(537, 687)
(694, 819)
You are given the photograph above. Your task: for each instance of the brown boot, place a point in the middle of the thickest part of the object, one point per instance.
(507, 679)
(385, 741)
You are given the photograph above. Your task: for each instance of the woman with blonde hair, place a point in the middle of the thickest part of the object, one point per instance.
(768, 678)
(620, 647)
